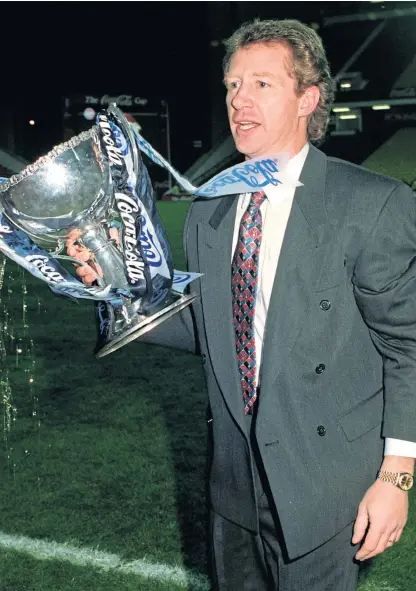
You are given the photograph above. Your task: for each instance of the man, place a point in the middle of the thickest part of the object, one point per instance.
(306, 327)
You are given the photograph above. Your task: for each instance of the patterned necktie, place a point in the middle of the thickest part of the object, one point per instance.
(244, 274)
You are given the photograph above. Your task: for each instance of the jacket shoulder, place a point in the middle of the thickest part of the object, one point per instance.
(200, 210)
(359, 176)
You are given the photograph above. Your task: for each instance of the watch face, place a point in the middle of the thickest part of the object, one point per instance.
(406, 481)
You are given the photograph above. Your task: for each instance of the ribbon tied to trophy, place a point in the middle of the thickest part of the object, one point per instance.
(96, 186)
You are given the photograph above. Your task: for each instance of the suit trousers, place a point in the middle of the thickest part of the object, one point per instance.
(244, 561)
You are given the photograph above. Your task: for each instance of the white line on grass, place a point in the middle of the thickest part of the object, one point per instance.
(41, 549)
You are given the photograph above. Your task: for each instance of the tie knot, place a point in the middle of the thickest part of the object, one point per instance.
(256, 200)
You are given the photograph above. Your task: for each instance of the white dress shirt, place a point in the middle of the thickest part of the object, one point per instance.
(275, 212)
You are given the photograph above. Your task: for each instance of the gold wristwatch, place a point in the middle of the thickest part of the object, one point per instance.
(402, 480)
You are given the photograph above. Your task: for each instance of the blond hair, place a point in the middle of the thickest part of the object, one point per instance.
(309, 65)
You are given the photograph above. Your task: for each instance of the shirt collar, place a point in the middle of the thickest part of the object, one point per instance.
(276, 195)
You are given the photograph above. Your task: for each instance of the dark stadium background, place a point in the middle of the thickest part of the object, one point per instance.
(170, 53)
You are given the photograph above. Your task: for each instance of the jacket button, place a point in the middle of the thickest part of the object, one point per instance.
(321, 430)
(203, 358)
(320, 368)
(325, 305)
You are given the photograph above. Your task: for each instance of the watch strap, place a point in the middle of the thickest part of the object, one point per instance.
(397, 479)
(392, 477)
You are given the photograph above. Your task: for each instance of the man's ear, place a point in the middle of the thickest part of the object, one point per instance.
(308, 101)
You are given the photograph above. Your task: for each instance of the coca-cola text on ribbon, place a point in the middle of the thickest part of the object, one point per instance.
(110, 144)
(129, 213)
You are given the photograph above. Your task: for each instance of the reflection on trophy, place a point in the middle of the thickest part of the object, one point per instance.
(82, 189)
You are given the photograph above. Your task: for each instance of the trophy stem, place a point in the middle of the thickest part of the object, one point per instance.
(148, 323)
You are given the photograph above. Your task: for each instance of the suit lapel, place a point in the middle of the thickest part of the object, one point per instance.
(297, 270)
(296, 276)
(214, 252)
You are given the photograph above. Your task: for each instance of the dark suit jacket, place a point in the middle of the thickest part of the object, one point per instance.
(339, 359)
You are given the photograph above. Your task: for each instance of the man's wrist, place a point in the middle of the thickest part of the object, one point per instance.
(398, 464)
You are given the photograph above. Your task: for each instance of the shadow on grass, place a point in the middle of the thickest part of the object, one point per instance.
(185, 415)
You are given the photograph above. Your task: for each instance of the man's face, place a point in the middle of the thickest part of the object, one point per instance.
(264, 110)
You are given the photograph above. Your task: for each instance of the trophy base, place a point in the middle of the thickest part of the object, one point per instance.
(147, 324)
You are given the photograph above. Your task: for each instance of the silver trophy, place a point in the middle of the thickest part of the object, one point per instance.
(88, 190)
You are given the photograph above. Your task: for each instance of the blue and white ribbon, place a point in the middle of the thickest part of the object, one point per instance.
(246, 177)
(182, 278)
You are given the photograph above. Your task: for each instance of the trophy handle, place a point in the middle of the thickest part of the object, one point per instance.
(107, 256)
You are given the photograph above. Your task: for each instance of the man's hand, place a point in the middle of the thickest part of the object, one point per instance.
(91, 271)
(382, 513)
(87, 273)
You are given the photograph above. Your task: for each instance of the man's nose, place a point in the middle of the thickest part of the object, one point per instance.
(241, 99)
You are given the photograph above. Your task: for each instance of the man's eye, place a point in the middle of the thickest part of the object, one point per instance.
(233, 85)
(263, 84)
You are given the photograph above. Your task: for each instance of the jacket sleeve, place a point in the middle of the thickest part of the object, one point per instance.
(384, 282)
(177, 332)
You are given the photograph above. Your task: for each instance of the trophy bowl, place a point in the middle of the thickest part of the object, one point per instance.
(84, 192)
